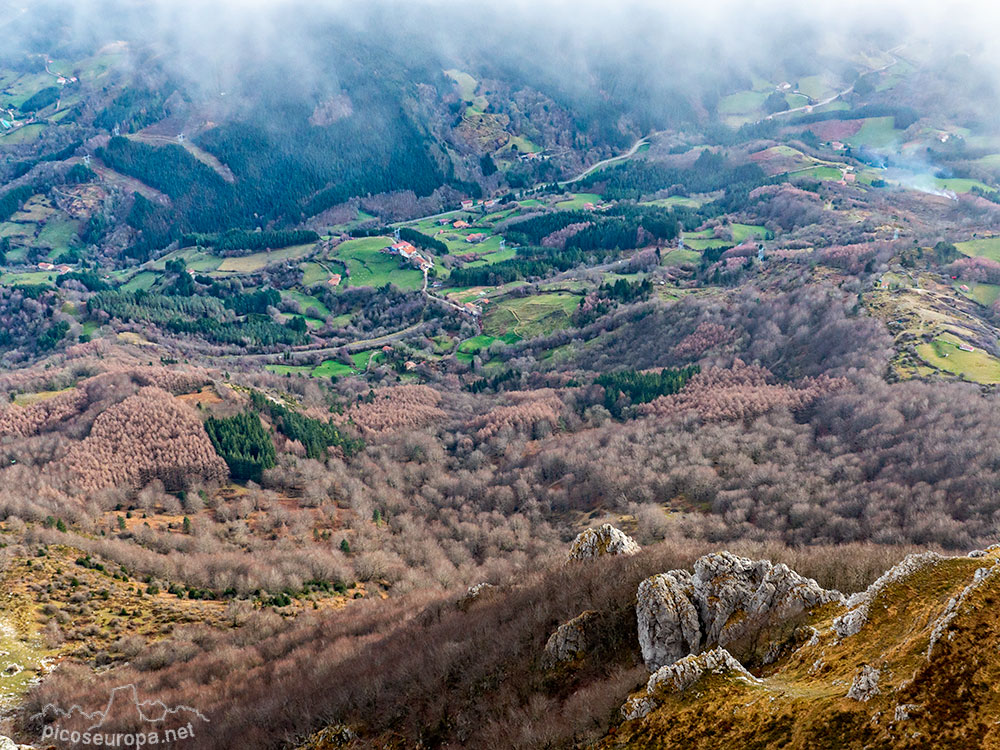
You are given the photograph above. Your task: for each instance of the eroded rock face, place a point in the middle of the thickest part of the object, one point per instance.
(604, 540)
(571, 639)
(669, 625)
(681, 675)
(726, 600)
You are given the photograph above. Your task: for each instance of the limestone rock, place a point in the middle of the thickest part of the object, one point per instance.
(735, 594)
(669, 627)
(681, 675)
(905, 711)
(951, 610)
(726, 600)
(851, 622)
(475, 592)
(571, 639)
(865, 685)
(478, 590)
(604, 540)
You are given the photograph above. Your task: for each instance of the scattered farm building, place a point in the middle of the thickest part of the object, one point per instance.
(461, 224)
(408, 252)
(476, 238)
(335, 280)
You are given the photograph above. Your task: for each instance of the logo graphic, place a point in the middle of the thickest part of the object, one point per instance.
(125, 722)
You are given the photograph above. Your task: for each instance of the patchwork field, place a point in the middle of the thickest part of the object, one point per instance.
(257, 261)
(331, 367)
(527, 317)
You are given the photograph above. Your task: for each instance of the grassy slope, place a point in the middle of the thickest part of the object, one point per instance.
(371, 267)
(801, 702)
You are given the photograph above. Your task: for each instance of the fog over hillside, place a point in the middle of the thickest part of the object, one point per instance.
(680, 46)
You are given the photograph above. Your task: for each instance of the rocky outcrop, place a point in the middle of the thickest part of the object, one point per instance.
(851, 622)
(728, 600)
(865, 685)
(6, 743)
(604, 540)
(681, 675)
(474, 593)
(669, 625)
(911, 661)
(571, 639)
(954, 606)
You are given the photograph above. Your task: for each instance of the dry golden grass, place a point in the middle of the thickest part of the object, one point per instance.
(801, 701)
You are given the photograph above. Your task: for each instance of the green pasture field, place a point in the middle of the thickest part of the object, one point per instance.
(371, 267)
(984, 294)
(528, 317)
(306, 301)
(742, 102)
(577, 201)
(257, 261)
(743, 232)
(875, 132)
(977, 366)
(983, 247)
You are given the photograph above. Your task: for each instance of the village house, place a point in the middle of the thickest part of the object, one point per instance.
(476, 238)
(46, 266)
(402, 248)
(461, 224)
(408, 252)
(468, 204)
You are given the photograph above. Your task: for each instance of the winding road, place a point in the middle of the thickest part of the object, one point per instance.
(845, 92)
(611, 160)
